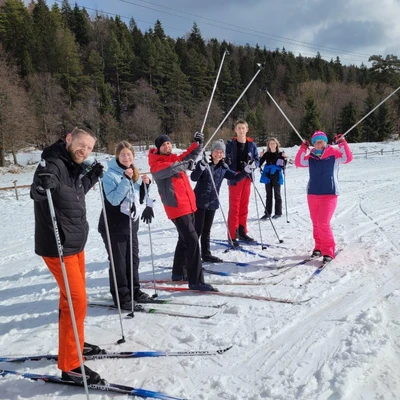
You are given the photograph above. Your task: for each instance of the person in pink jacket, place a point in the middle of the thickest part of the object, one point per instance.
(322, 190)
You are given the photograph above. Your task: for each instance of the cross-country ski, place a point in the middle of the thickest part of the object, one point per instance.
(170, 313)
(108, 387)
(123, 354)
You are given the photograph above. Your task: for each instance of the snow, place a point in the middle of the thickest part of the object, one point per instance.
(342, 344)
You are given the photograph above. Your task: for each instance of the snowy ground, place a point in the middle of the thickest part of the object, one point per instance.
(342, 344)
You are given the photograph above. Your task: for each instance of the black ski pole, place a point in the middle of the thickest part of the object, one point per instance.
(284, 190)
(269, 216)
(258, 214)
(65, 277)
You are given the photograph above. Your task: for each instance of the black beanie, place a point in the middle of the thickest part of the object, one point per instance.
(160, 140)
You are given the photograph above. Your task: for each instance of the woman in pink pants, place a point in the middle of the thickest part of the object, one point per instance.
(322, 190)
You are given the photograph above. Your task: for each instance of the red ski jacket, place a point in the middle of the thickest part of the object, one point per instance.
(169, 173)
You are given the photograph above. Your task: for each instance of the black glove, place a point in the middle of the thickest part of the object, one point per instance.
(228, 160)
(97, 169)
(199, 137)
(191, 165)
(148, 213)
(45, 179)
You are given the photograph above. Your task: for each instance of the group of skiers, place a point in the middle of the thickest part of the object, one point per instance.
(64, 179)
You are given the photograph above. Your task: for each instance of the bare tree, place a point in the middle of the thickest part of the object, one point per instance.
(17, 121)
(50, 104)
(143, 125)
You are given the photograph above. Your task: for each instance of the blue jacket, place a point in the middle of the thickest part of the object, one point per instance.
(324, 170)
(231, 153)
(206, 198)
(117, 187)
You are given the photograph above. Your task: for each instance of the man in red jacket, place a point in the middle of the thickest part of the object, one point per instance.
(169, 173)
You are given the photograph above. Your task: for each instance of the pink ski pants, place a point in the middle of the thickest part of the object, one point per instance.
(322, 208)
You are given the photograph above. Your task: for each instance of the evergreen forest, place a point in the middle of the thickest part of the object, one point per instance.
(61, 67)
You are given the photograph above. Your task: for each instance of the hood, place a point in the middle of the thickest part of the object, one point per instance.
(57, 150)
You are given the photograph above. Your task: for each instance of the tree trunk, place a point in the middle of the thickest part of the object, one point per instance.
(14, 154)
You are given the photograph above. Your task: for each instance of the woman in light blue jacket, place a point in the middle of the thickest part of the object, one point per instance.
(124, 191)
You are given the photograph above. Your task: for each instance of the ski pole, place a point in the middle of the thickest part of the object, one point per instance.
(258, 214)
(269, 216)
(132, 314)
(284, 188)
(287, 119)
(213, 91)
(260, 67)
(151, 249)
(66, 283)
(222, 211)
(110, 253)
(365, 116)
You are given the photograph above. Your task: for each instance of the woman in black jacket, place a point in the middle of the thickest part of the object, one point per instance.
(272, 175)
(206, 196)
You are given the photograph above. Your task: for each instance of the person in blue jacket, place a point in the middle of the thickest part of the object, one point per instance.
(272, 175)
(207, 196)
(124, 191)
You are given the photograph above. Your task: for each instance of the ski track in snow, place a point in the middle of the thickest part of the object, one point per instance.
(342, 344)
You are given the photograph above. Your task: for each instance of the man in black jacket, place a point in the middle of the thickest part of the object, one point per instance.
(68, 180)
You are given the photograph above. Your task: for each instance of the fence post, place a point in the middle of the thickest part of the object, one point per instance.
(366, 153)
(381, 152)
(15, 188)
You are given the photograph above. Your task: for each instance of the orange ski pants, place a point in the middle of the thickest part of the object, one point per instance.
(75, 265)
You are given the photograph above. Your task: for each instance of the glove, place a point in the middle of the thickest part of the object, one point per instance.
(148, 213)
(203, 165)
(191, 165)
(305, 145)
(279, 162)
(199, 137)
(339, 138)
(228, 160)
(97, 169)
(250, 167)
(45, 179)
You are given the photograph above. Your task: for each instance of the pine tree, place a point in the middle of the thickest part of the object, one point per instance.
(370, 128)
(385, 123)
(348, 118)
(16, 34)
(311, 120)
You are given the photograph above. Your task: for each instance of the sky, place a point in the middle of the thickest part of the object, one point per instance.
(342, 344)
(353, 30)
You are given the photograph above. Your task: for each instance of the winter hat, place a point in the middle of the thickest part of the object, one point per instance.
(160, 140)
(318, 135)
(218, 145)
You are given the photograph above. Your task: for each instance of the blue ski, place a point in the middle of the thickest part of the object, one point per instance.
(318, 270)
(108, 387)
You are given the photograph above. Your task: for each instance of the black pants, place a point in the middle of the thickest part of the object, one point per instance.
(203, 222)
(187, 251)
(275, 187)
(122, 262)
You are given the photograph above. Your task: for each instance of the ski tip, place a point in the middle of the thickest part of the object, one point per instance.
(222, 351)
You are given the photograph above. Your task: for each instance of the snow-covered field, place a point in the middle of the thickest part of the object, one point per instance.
(342, 344)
